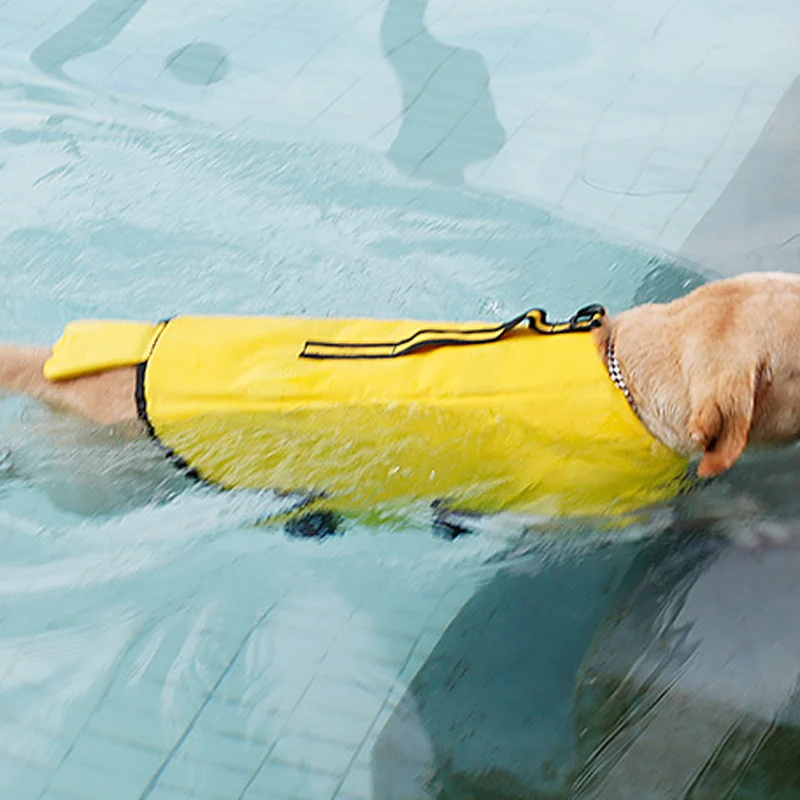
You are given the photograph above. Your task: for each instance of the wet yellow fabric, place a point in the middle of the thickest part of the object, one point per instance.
(90, 346)
(530, 423)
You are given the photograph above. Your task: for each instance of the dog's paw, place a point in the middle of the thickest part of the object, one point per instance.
(313, 525)
(450, 524)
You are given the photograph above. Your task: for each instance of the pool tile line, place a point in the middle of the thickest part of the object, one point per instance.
(720, 147)
(355, 81)
(245, 772)
(154, 779)
(393, 698)
(84, 728)
(370, 730)
(307, 63)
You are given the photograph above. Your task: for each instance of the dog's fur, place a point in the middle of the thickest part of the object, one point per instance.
(718, 368)
(708, 372)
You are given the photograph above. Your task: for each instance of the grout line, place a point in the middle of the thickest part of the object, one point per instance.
(156, 776)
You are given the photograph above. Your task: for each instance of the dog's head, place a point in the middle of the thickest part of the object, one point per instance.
(742, 364)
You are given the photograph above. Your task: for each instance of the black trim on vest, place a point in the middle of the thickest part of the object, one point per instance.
(141, 410)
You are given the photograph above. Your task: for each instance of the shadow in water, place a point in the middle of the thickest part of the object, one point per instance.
(92, 30)
(490, 713)
(199, 63)
(449, 119)
(666, 668)
(690, 687)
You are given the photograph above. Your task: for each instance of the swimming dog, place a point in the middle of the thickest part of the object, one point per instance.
(368, 412)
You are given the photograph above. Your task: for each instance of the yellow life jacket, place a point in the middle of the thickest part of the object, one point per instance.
(377, 414)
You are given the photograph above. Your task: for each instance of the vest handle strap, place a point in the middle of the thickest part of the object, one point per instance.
(585, 319)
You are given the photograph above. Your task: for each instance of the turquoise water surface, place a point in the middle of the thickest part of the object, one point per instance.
(459, 160)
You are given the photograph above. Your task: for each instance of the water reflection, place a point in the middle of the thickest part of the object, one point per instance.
(449, 119)
(270, 233)
(666, 668)
(689, 687)
(667, 281)
(92, 30)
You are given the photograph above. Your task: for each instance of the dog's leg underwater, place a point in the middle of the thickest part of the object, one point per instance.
(105, 398)
(20, 373)
(21, 370)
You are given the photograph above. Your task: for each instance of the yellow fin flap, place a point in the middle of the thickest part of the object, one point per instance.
(89, 346)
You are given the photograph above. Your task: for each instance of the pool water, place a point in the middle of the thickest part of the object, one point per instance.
(458, 160)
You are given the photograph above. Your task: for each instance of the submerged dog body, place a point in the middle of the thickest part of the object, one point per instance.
(706, 373)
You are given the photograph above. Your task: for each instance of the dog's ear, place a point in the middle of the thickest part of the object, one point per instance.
(721, 420)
